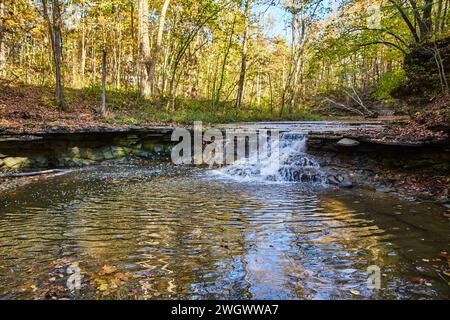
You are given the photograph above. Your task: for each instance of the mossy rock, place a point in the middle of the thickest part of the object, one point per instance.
(75, 152)
(93, 155)
(118, 152)
(149, 145)
(127, 150)
(107, 153)
(16, 162)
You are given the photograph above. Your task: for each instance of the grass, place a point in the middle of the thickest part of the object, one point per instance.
(127, 107)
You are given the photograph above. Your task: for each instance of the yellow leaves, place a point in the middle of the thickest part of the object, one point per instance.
(109, 279)
(108, 270)
(103, 287)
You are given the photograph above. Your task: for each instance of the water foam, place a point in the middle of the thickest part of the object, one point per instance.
(290, 164)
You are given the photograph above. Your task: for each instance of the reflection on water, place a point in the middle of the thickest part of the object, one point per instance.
(185, 234)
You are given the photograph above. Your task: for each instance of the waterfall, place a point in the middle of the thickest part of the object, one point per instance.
(290, 164)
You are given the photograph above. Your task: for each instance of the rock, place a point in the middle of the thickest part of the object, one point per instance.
(158, 149)
(77, 162)
(148, 145)
(75, 152)
(425, 195)
(93, 155)
(346, 183)
(345, 142)
(16, 162)
(39, 161)
(127, 141)
(340, 180)
(107, 153)
(118, 152)
(383, 189)
(332, 180)
(127, 150)
(143, 154)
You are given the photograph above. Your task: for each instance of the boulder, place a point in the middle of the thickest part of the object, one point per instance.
(16, 162)
(346, 142)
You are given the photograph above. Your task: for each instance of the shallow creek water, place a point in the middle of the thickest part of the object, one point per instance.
(189, 233)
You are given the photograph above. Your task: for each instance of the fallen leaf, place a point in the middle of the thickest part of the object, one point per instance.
(103, 287)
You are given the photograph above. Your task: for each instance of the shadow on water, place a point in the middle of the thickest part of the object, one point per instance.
(184, 233)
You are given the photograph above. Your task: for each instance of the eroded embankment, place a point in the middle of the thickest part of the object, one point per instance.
(418, 171)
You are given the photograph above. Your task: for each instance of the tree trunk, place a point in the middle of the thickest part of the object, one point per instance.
(54, 28)
(74, 65)
(438, 17)
(224, 63)
(156, 51)
(83, 54)
(242, 75)
(444, 16)
(144, 48)
(2, 44)
(103, 110)
(427, 16)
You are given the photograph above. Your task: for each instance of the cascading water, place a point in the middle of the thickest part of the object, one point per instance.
(290, 164)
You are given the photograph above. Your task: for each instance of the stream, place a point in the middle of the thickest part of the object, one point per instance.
(180, 232)
(250, 230)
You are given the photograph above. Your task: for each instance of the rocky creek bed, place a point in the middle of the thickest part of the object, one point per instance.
(349, 157)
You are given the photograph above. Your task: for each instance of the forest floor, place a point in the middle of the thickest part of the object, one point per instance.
(30, 108)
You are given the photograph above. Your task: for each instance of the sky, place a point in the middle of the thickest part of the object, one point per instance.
(280, 18)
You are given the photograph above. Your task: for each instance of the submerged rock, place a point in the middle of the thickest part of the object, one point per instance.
(340, 181)
(346, 142)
